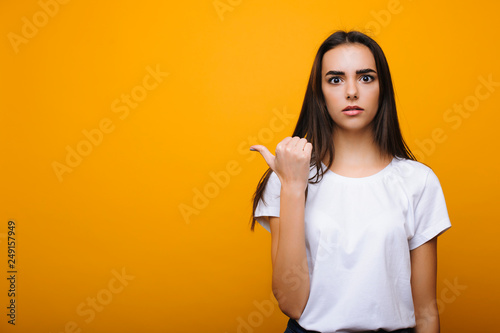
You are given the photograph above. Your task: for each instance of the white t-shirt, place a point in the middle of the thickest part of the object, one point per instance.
(359, 233)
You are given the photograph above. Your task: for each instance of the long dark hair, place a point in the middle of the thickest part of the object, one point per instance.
(316, 125)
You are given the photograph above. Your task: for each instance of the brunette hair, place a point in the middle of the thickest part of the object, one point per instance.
(316, 125)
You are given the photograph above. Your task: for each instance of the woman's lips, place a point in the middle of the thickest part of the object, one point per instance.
(352, 112)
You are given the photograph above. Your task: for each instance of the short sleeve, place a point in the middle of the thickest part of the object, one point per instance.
(431, 214)
(271, 207)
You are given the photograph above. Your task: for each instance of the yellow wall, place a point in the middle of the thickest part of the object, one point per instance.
(160, 98)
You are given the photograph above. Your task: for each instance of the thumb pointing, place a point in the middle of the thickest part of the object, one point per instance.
(268, 157)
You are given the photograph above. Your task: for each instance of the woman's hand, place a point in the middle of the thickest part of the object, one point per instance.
(292, 161)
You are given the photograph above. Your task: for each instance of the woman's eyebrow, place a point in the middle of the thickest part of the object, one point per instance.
(359, 71)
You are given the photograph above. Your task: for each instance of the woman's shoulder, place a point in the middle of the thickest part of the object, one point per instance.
(411, 170)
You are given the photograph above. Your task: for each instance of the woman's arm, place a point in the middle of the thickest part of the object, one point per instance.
(289, 258)
(290, 269)
(423, 286)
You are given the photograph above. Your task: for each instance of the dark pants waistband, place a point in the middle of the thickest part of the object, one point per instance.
(294, 327)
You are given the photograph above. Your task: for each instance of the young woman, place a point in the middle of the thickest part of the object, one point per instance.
(354, 218)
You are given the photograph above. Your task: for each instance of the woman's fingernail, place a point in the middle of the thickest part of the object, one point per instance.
(252, 149)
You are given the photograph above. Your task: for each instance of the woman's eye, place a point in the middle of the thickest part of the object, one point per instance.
(367, 78)
(335, 79)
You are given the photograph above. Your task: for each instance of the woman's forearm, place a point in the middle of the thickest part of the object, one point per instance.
(290, 268)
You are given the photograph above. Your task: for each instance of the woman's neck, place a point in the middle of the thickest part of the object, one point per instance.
(357, 154)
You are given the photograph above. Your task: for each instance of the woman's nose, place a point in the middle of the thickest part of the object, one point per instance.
(351, 91)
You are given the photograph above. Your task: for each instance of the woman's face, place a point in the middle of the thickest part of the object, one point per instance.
(349, 78)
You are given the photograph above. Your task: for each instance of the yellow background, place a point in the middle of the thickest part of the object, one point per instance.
(231, 75)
